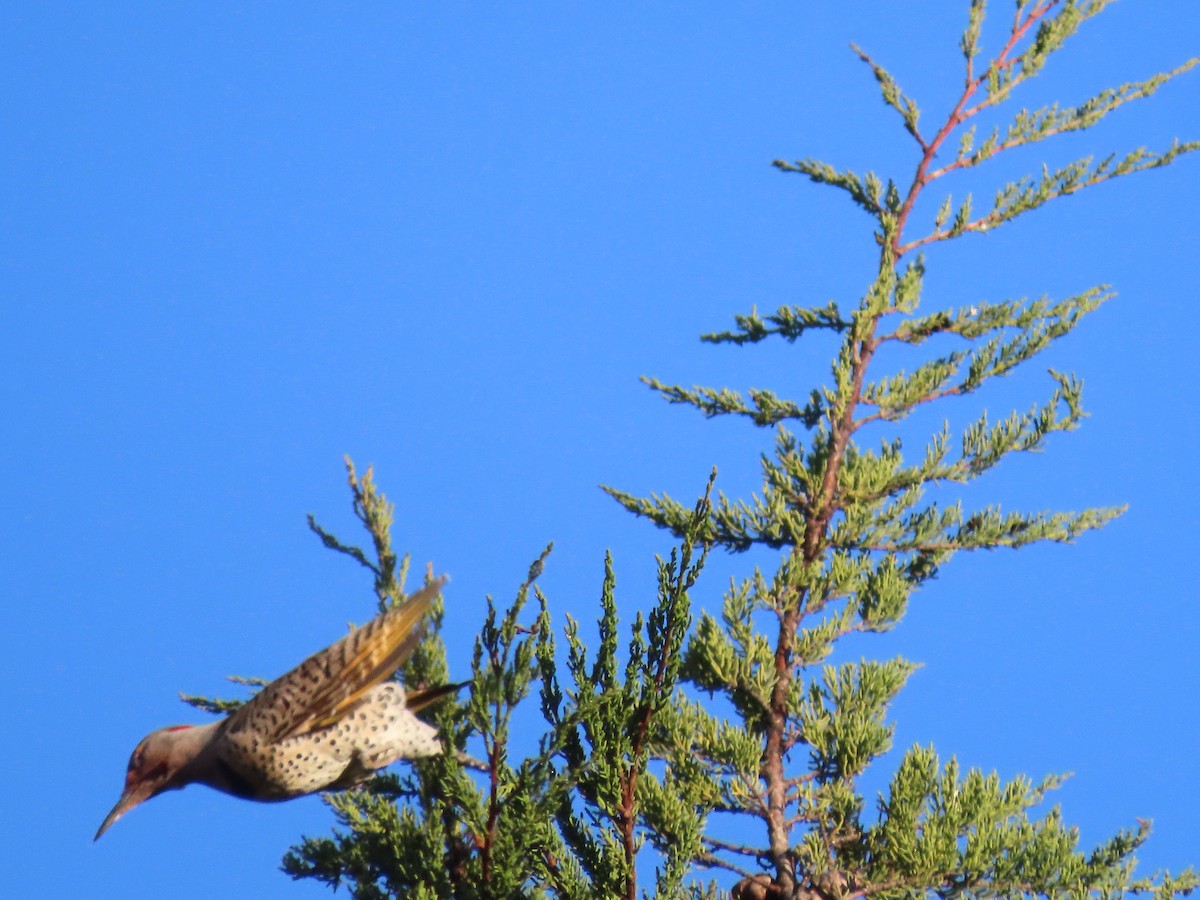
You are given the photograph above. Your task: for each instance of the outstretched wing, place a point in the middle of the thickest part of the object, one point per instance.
(323, 688)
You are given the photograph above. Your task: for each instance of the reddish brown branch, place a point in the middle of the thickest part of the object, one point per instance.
(493, 819)
(824, 506)
(958, 115)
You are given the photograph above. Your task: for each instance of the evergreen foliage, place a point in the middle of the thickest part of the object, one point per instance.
(639, 769)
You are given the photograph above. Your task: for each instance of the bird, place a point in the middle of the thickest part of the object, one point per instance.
(330, 723)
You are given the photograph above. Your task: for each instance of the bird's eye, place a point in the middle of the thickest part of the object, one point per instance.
(157, 773)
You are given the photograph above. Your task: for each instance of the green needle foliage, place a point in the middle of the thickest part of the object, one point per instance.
(568, 820)
(679, 731)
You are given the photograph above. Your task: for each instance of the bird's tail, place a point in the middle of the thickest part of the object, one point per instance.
(418, 700)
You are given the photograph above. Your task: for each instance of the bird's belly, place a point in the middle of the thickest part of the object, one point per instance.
(292, 768)
(372, 736)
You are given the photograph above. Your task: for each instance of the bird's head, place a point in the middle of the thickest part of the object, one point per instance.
(154, 766)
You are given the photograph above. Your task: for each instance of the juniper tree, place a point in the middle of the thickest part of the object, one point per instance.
(858, 534)
(635, 766)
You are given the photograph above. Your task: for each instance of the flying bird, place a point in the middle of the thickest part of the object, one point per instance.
(328, 724)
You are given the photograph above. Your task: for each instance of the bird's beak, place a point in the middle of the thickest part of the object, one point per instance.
(131, 798)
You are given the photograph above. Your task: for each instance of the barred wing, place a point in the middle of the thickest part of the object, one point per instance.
(323, 688)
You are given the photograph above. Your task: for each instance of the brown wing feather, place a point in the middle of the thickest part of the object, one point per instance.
(323, 688)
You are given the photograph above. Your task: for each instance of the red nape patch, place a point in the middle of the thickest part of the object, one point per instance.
(180, 727)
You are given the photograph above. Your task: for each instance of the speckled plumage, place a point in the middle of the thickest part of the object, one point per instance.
(378, 731)
(328, 724)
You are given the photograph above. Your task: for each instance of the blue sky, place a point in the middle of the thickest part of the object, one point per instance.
(242, 240)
